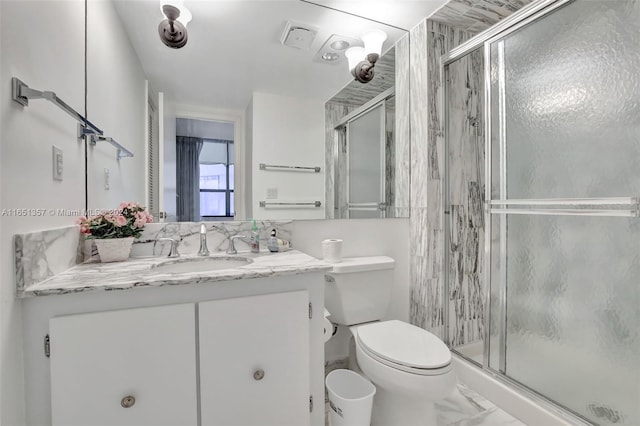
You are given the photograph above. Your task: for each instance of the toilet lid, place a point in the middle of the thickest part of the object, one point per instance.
(404, 344)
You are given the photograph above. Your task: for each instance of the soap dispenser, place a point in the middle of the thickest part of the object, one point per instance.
(272, 242)
(255, 238)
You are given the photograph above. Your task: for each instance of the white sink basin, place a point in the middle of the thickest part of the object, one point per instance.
(202, 264)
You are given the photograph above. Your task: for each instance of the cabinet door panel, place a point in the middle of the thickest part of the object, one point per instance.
(99, 358)
(239, 337)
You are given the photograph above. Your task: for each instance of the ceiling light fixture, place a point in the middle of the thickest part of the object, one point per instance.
(173, 29)
(340, 44)
(363, 59)
(330, 57)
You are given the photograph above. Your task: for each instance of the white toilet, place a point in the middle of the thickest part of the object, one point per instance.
(410, 367)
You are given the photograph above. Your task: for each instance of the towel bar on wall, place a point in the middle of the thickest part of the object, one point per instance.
(366, 206)
(293, 168)
(312, 203)
(122, 151)
(21, 93)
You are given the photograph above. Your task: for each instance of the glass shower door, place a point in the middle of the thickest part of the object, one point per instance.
(564, 226)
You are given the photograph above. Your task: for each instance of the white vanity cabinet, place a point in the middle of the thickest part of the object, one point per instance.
(127, 367)
(237, 358)
(254, 360)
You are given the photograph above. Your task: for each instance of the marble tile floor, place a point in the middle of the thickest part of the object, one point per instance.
(465, 407)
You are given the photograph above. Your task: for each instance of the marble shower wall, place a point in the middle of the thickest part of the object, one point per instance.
(390, 156)
(402, 157)
(429, 41)
(336, 168)
(465, 248)
(450, 26)
(427, 237)
(476, 15)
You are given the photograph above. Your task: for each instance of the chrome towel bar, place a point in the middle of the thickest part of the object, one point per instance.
(295, 168)
(267, 204)
(366, 206)
(21, 93)
(122, 151)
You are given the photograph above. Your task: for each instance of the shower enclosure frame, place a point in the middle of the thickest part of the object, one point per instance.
(379, 206)
(484, 40)
(375, 205)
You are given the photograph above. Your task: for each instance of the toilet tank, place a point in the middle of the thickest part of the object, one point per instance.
(358, 289)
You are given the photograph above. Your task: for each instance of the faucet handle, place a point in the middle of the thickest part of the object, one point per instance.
(232, 246)
(173, 250)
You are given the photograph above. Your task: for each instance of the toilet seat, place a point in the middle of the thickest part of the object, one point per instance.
(404, 347)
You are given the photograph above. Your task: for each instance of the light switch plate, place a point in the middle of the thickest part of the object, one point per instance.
(57, 163)
(272, 193)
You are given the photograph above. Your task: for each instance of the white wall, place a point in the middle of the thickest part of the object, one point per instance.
(246, 172)
(287, 131)
(362, 237)
(3, 93)
(116, 103)
(43, 45)
(204, 129)
(169, 159)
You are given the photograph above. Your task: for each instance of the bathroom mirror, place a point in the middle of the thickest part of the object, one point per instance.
(272, 116)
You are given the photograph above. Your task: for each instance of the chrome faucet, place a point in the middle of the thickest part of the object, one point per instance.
(204, 251)
(232, 246)
(173, 250)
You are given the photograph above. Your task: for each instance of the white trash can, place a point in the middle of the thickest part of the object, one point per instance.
(350, 398)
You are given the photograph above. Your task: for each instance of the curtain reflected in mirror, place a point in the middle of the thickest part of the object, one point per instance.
(188, 178)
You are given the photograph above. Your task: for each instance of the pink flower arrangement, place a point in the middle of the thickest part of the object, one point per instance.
(127, 221)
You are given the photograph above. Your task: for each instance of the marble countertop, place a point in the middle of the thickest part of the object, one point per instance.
(141, 272)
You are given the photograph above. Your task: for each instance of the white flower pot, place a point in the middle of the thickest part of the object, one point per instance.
(114, 249)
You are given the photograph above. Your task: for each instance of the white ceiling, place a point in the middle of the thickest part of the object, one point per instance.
(400, 13)
(234, 47)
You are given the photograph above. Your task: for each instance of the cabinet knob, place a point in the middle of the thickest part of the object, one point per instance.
(128, 401)
(258, 374)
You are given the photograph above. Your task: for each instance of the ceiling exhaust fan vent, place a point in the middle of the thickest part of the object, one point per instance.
(298, 36)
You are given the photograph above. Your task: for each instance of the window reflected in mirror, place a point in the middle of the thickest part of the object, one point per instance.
(216, 179)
